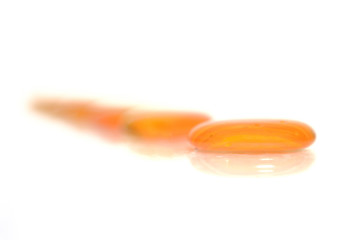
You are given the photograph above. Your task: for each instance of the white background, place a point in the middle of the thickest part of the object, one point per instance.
(232, 59)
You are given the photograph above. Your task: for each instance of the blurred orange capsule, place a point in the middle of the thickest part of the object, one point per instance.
(47, 106)
(109, 122)
(76, 112)
(109, 118)
(164, 125)
(252, 136)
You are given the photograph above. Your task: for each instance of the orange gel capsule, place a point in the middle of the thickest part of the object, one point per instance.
(109, 119)
(50, 107)
(252, 136)
(164, 125)
(77, 112)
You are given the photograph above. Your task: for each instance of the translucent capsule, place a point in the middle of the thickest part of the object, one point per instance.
(252, 136)
(164, 125)
(109, 122)
(76, 112)
(109, 118)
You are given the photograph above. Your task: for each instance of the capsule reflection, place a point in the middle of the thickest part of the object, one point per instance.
(159, 148)
(270, 164)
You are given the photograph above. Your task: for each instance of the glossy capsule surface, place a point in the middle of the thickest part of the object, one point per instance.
(164, 125)
(253, 136)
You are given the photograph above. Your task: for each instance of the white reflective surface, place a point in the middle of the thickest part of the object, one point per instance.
(232, 59)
